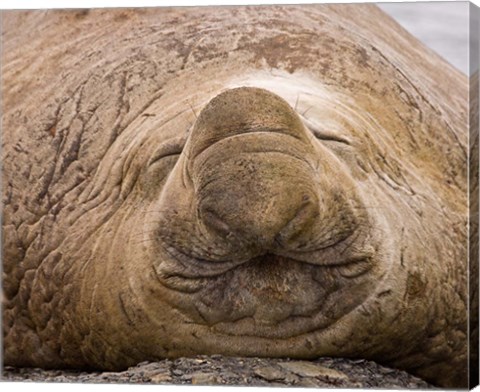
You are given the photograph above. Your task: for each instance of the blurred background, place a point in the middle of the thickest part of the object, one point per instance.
(443, 26)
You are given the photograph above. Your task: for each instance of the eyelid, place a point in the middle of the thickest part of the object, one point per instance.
(326, 135)
(169, 148)
(330, 136)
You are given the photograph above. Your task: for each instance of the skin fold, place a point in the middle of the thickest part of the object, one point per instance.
(248, 181)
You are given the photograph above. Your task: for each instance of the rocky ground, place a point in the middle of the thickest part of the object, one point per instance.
(218, 370)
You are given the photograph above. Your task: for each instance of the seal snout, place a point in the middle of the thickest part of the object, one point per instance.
(249, 162)
(257, 184)
(262, 222)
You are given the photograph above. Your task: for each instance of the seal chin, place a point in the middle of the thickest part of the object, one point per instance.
(269, 296)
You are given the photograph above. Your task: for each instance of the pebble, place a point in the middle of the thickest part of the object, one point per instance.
(160, 378)
(204, 379)
(269, 373)
(308, 369)
(308, 383)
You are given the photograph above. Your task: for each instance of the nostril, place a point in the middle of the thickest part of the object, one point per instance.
(213, 222)
(305, 213)
(305, 216)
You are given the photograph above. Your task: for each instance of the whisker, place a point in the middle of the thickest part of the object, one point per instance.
(191, 107)
(305, 112)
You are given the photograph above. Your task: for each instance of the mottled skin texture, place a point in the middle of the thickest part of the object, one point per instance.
(152, 209)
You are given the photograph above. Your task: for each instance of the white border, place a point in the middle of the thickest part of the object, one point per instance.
(38, 4)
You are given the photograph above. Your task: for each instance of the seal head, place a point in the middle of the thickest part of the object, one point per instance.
(261, 225)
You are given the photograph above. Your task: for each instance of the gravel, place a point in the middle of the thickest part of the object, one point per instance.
(218, 370)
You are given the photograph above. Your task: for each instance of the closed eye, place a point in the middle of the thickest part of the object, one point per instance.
(326, 135)
(171, 147)
(330, 136)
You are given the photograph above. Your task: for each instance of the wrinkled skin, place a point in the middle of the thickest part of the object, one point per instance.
(251, 181)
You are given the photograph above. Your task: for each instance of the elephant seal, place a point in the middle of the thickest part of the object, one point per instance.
(250, 181)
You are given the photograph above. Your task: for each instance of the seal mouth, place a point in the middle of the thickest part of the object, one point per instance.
(270, 295)
(197, 269)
